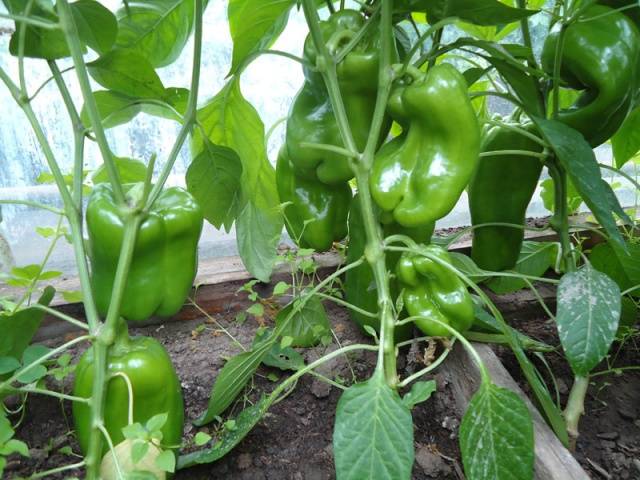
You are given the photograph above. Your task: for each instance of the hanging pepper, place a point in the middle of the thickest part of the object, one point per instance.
(312, 119)
(359, 284)
(433, 292)
(165, 258)
(500, 192)
(600, 56)
(154, 383)
(419, 175)
(317, 213)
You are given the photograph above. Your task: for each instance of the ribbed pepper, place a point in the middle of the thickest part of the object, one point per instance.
(600, 56)
(317, 213)
(312, 119)
(165, 259)
(433, 292)
(500, 192)
(359, 284)
(419, 175)
(155, 385)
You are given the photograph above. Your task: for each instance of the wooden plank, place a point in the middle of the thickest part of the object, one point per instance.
(552, 460)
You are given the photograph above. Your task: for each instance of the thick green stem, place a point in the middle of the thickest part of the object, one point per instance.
(73, 41)
(575, 407)
(560, 220)
(104, 341)
(192, 107)
(374, 251)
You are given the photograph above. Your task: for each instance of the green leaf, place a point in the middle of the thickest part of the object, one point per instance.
(229, 120)
(574, 200)
(49, 44)
(130, 170)
(135, 431)
(534, 260)
(158, 30)
(138, 451)
(15, 446)
(420, 392)
(156, 422)
(603, 258)
(72, 296)
(114, 108)
(257, 310)
(19, 328)
(97, 26)
(578, 159)
(496, 436)
(201, 438)
(466, 265)
(231, 379)
(8, 365)
(371, 420)
(282, 358)
(281, 288)
(213, 178)
(479, 12)
(166, 461)
(626, 141)
(255, 25)
(308, 325)
(245, 421)
(128, 73)
(588, 315)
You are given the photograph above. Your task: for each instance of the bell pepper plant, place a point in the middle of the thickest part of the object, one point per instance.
(390, 127)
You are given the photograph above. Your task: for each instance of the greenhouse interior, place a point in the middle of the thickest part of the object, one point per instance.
(320, 239)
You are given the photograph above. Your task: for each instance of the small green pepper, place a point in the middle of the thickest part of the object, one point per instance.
(431, 291)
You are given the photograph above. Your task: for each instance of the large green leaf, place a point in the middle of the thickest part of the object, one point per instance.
(213, 178)
(229, 120)
(626, 141)
(578, 159)
(128, 73)
(373, 433)
(97, 26)
(308, 325)
(479, 12)
(49, 44)
(588, 315)
(255, 25)
(230, 437)
(156, 29)
(496, 436)
(233, 377)
(19, 328)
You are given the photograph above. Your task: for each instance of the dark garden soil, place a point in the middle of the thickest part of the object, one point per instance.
(294, 439)
(609, 443)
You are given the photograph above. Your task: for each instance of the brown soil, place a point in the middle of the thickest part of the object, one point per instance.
(292, 442)
(609, 443)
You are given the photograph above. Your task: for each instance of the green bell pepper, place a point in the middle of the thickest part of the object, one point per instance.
(359, 284)
(312, 119)
(500, 192)
(419, 175)
(600, 56)
(317, 213)
(165, 258)
(155, 386)
(432, 291)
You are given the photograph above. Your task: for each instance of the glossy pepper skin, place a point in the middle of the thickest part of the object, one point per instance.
(433, 292)
(324, 207)
(165, 258)
(419, 175)
(156, 390)
(312, 119)
(500, 192)
(359, 284)
(600, 57)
